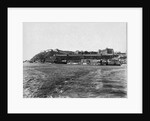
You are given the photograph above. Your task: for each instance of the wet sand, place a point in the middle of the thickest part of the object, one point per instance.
(73, 81)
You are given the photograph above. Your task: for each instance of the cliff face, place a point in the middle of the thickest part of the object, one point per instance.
(48, 55)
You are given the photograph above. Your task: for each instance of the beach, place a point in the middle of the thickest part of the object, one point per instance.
(45, 80)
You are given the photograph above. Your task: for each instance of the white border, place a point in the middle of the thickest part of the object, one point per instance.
(16, 102)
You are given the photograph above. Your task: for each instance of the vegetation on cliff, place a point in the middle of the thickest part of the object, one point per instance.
(48, 54)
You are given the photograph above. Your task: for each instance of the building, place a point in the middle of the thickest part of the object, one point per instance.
(99, 51)
(77, 52)
(79, 56)
(107, 51)
(121, 54)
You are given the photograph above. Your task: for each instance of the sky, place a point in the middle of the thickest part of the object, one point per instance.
(90, 36)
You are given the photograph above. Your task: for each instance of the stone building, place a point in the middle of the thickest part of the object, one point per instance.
(107, 51)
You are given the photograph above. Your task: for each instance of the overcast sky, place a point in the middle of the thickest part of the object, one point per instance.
(90, 36)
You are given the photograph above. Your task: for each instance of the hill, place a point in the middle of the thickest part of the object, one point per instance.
(48, 55)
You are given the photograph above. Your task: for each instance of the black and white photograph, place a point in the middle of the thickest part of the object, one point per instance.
(75, 60)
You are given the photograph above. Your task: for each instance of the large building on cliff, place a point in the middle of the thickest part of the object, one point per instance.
(107, 51)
